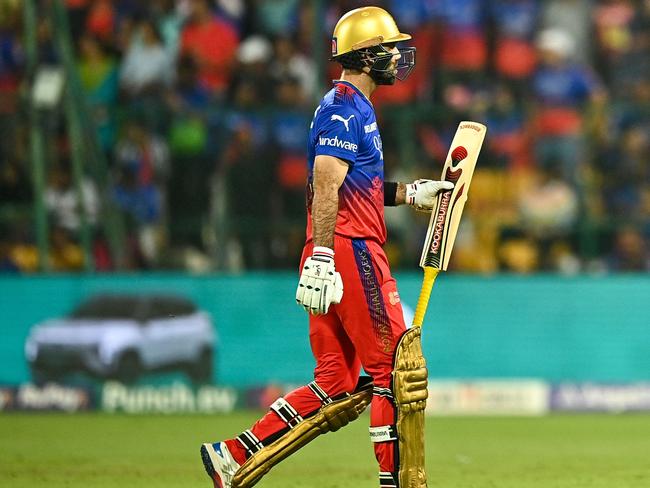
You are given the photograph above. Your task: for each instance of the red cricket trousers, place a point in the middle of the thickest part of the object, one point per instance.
(361, 331)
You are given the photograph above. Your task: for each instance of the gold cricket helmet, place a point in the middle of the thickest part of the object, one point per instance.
(365, 27)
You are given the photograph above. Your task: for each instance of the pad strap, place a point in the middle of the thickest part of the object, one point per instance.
(383, 392)
(324, 398)
(286, 412)
(386, 480)
(250, 442)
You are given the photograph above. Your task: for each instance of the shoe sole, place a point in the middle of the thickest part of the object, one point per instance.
(209, 467)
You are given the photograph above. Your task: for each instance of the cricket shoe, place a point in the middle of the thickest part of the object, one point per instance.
(219, 464)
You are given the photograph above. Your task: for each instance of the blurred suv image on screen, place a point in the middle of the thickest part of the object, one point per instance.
(120, 336)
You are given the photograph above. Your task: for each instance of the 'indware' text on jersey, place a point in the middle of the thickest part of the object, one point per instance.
(345, 127)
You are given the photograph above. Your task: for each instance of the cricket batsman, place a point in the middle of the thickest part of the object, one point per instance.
(355, 315)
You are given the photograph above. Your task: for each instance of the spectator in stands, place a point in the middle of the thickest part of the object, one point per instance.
(147, 67)
(21, 253)
(628, 175)
(631, 111)
(192, 149)
(142, 209)
(518, 252)
(572, 16)
(253, 68)
(248, 168)
(238, 106)
(46, 44)
(288, 62)
(15, 184)
(630, 252)
(289, 137)
(188, 96)
(623, 44)
(101, 20)
(288, 117)
(143, 169)
(11, 62)
(548, 212)
(515, 24)
(99, 78)
(507, 145)
(212, 42)
(77, 12)
(562, 91)
(7, 264)
(463, 42)
(187, 104)
(62, 200)
(244, 107)
(613, 22)
(169, 21)
(235, 11)
(550, 206)
(143, 151)
(65, 253)
(276, 17)
(287, 194)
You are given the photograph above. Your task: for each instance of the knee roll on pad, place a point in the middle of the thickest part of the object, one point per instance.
(333, 414)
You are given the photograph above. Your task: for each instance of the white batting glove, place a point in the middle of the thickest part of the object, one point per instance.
(422, 194)
(320, 285)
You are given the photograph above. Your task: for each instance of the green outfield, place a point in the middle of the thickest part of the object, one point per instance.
(104, 451)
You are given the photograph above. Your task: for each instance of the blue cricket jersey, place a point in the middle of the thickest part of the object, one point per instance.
(345, 126)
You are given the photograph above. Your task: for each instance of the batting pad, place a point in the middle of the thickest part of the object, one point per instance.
(329, 418)
(410, 391)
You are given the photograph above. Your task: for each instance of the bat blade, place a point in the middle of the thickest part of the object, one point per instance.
(445, 217)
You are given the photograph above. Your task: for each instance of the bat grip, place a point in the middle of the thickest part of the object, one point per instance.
(430, 275)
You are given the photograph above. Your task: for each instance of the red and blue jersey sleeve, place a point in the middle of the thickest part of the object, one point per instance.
(337, 132)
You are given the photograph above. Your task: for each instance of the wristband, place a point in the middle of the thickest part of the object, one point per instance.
(390, 193)
(322, 253)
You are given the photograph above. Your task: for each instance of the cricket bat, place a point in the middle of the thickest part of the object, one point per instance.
(445, 217)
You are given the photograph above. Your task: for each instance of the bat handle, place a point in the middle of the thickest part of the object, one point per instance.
(430, 275)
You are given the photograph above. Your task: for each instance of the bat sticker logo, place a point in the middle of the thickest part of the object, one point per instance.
(440, 230)
(341, 119)
(440, 223)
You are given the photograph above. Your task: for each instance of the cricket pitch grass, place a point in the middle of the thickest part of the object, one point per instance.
(111, 451)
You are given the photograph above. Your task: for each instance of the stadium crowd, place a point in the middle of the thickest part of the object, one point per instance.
(202, 109)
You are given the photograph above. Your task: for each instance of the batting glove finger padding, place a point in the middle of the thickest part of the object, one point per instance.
(320, 284)
(422, 194)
